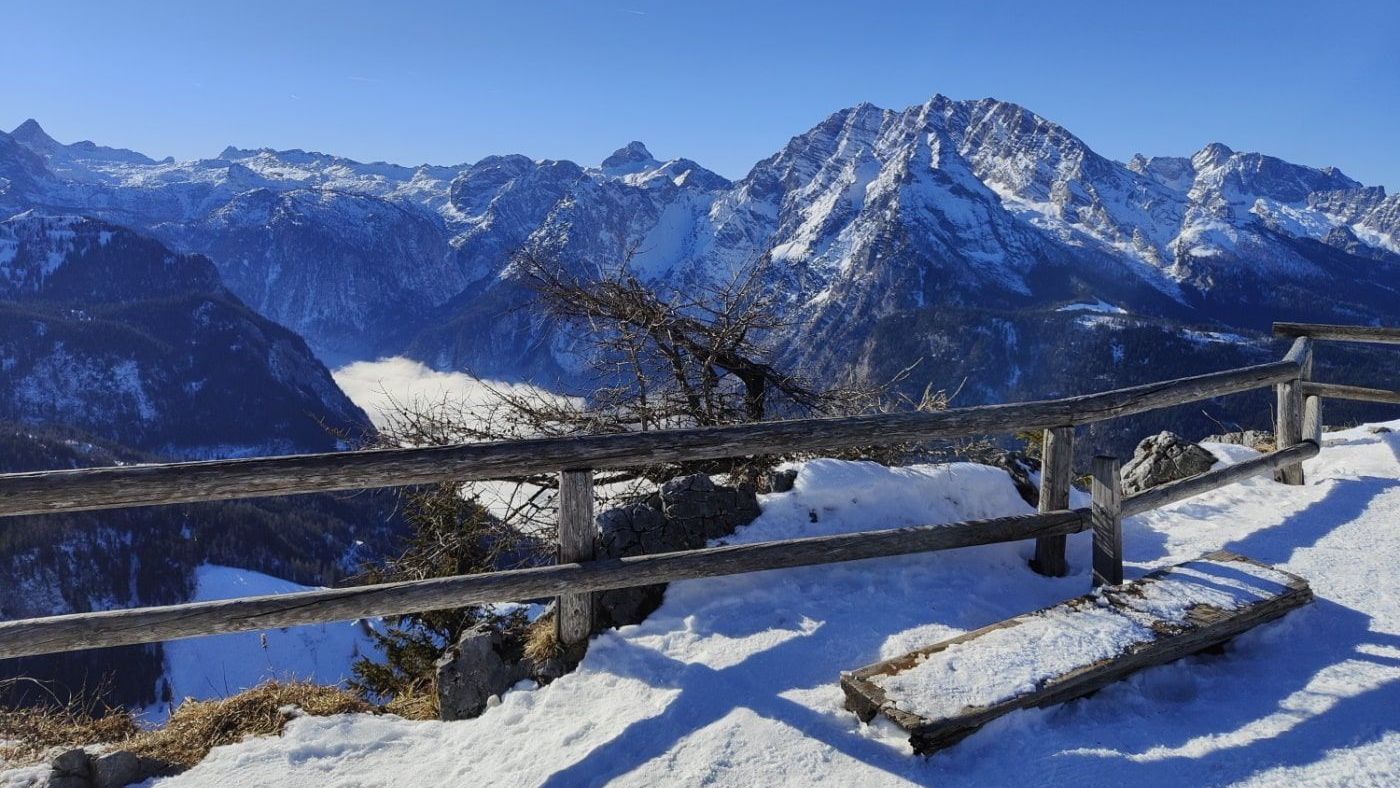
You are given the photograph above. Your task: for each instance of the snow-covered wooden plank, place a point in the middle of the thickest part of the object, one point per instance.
(942, 693)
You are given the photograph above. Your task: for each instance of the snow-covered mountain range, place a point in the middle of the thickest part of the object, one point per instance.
(871, 213)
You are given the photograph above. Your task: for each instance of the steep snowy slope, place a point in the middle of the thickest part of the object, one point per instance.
(108, 331)
(733, 680)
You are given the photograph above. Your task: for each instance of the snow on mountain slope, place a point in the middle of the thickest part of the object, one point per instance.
(733, 680)
(221, 665)
(870, 214)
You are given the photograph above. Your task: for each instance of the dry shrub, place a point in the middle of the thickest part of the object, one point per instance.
(198, 726)
(28, 734)
(415, 701)
(542, 642)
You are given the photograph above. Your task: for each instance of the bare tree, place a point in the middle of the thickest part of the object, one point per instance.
(663, 358)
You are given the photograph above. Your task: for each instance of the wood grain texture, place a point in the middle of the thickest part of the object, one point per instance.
(1056, 476)
(143, 485)
(1106, 514)
(1205, 627)
(1182, 489)
(1389, 336)
(1338, 391)
(573, 618)
(148, 625)
(1312, 418)
(1288, 415)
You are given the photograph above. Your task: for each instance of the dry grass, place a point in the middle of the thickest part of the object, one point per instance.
(198, 726)
(542, 641)
(417, 702)
(28, 734)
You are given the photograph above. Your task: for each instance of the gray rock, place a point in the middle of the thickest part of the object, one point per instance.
(1379, 430)
(473, 671)
(1162, 458)
(116, 769)
(782, 481)
(1261, 440)
(685, 514)
(71, 769)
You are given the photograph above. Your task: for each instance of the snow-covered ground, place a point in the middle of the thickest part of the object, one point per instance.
(734, 680)
(220, 665)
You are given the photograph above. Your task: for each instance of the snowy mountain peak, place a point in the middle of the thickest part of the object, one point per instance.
(633, 152)
(30, 133)
(629, 159)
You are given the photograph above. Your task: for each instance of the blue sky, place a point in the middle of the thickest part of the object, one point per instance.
(725, 83)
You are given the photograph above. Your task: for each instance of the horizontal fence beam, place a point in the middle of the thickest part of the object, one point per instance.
(148, 625)
(1338, 391)
(1211, 480)
(146, 485)
(1384, 335)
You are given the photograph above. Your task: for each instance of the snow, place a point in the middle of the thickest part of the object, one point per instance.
(733, 680)
(1005, 663)
(220, 665)
(1098, 305)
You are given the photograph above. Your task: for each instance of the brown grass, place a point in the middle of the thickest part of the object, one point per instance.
(542, 641)
(189, 734)
(198, 726)
(419, 701)
(29, 733)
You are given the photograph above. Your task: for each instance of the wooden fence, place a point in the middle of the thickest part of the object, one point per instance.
(577, 576)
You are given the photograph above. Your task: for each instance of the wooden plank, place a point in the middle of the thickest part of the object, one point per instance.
(144, 485)
(147, 625)
(1191, 486)
(1205, 627)
(1338, 391)
(1383, 335)
(1056, 475)
(1288, 417)
(1312, 418)
(1106, 514)
(577, 536)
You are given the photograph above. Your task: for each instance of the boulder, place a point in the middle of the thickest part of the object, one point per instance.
(685, 514)
(1259, 440)
(71, 769)
(473, 671)
(1162, 458)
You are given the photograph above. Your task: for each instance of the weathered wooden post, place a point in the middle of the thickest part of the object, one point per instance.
(1106, 514)
(1056, 470)
(1312, 420)
(1288, 420)
(573, 619)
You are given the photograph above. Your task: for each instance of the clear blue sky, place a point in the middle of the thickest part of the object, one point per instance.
(726, 83)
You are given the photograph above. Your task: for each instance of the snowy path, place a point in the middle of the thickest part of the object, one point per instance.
(733, 680)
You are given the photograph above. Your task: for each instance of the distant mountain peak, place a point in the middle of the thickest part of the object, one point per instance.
(30, 133)
(629, 156)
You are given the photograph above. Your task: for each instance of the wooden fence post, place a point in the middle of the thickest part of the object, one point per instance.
(1288, 420)
(1106, 514)
(1056, 470)
(573, 618)
(1312, 420)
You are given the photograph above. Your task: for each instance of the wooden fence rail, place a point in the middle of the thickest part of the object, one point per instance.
(146, 625)
(576, 577)
(146, 485)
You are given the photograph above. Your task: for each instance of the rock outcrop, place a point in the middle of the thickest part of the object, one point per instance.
(1162, 458)
(685, 514)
